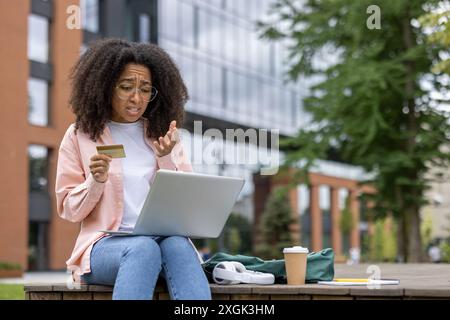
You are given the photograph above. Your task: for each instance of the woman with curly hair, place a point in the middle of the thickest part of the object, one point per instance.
(131, 94)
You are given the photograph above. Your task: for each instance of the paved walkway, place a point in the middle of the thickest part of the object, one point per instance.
(424, 275)
(38, 277)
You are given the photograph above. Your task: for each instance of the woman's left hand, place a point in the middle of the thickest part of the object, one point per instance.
(166, 144)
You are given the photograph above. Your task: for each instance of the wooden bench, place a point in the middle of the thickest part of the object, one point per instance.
(417, 281)
(245, 292)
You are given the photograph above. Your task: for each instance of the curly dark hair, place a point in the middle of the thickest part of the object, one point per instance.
(95, 74)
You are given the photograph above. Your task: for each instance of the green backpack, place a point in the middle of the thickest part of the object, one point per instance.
(319, 267)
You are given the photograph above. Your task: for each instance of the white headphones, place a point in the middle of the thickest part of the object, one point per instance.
(232, 272)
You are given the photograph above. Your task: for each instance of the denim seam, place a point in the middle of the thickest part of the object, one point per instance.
(169, 281)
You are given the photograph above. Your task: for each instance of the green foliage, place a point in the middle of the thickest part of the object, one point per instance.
(427, 229)
(234, 241)
(238, 235)
(383, 244)
(439, 24)
(274, 225)
(346, 221)
(368, 105)
(10, 266)
(445, 251)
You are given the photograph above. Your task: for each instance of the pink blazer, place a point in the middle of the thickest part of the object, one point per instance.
(98, 206)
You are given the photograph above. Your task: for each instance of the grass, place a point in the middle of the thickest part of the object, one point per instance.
(11, 292)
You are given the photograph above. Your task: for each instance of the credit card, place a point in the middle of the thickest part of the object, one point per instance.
(114, 150)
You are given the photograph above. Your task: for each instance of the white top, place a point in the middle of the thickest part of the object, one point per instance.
(138, 167)
(296, 249)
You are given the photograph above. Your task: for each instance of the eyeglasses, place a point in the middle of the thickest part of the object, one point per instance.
(125, 91)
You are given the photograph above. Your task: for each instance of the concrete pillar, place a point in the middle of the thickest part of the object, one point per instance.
(336, 236)
(354, 208)
(294, 227)
(316, 219)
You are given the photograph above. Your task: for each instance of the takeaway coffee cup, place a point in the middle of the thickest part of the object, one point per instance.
(295, 261)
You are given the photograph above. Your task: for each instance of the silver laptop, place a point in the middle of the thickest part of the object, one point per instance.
(186, 204)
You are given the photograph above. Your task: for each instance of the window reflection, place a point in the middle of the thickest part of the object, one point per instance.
(216, 85)
(169, 25)
(203, 31)
(39, 209)
(37, 102)
(202, 80)
(226, 67)
(187, 72)
(38, 163)
(38, 38)
(90, 15)
(144, 27)
(294, 108)
(187, 24)
(216, 31)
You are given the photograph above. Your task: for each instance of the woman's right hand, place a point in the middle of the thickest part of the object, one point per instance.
(99, 167)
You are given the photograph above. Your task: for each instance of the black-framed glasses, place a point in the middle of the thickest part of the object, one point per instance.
(125, 91)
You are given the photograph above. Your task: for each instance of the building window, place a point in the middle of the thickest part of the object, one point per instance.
(216, 31)
(294, 108)
(90, 15)
(203, 82)
(38, 102)
(38, 157)
(187, 24)
(216, 85)
(187, 66)
(304, 211)
(224, 87)
(253, 101)
(169, 23)
(39, 208)
(144, 28)
(38, 31)
(204, 31)
(324, 203)
(232, 91)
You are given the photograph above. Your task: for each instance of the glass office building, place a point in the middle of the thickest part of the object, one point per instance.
(232, 75)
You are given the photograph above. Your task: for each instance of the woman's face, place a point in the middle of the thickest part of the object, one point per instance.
(131, 93)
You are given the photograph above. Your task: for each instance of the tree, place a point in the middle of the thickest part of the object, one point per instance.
(274, 225)
(234, 240)
(439, 23)
(382, 244)
(427, 229)
(237, 234)
(370, 107)
(346, 221)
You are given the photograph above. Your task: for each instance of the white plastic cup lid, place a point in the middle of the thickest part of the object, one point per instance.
(296, 249)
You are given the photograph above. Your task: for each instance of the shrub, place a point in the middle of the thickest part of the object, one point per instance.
(10, 266)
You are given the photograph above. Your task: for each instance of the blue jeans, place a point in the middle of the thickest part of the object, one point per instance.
(132, 264)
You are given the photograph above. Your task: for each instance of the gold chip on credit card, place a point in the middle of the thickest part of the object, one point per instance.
(114, 150)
